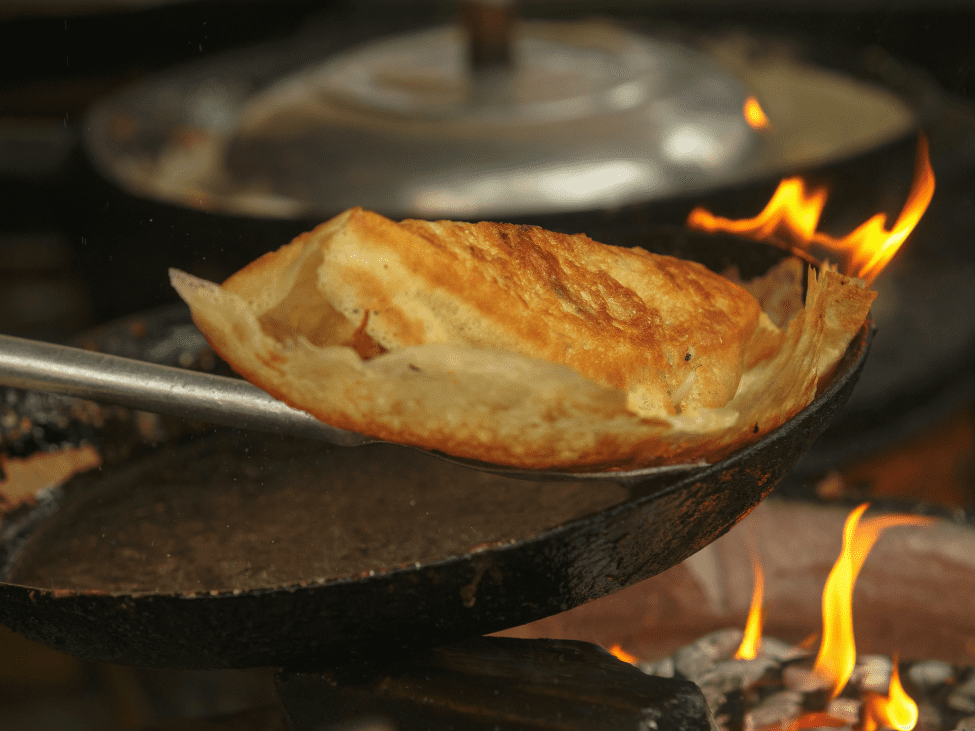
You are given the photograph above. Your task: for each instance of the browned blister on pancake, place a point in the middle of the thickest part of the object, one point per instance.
(519, 346)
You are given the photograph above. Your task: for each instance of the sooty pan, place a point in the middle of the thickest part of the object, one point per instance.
(228, 549)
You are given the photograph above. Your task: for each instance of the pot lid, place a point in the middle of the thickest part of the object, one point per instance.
(587, 115)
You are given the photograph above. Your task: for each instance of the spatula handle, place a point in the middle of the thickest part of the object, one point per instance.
(161, 389)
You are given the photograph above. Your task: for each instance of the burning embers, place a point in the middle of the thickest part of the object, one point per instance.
(792, 215)
(768, 685)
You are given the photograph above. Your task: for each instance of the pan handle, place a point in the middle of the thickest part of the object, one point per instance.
(161, 389)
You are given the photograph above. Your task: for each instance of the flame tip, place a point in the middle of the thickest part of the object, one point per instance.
(754, 114)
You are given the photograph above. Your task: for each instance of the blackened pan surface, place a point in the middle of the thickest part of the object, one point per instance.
(234, 550)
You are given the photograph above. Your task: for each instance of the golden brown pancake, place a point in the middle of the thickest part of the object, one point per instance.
(516, 345)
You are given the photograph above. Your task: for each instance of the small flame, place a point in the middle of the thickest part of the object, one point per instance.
(895, 710)
(755, 115)
(793, 215)
(620, 654)
(752, 641)
(837, 653)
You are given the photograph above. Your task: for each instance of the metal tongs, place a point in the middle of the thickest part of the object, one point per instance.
(213, 399)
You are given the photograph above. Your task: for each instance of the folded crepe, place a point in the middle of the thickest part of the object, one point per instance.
(518, 346)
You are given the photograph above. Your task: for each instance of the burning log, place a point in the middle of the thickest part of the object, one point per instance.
(494, 683)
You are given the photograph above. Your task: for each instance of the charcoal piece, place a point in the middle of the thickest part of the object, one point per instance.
(962, 698)
(872, 672)
(732, 676)
(782, 651)
(961, 702)
(929, 674)
(966, 724)
(778, 707)
(693, 661)
(847, 709)
(495, 683)
(798, 677)
(663, 668)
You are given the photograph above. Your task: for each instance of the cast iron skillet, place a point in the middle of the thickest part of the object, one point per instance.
(237, 550)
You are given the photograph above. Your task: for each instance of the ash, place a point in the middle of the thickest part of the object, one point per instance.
(778, 686)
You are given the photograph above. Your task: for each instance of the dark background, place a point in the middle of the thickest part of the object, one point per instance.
(57, 59)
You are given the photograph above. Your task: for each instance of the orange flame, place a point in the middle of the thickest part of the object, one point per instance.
(755, 115)
(896, 710)
(793, 215)
(752, 641)
(837, 653)
(620, 654)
